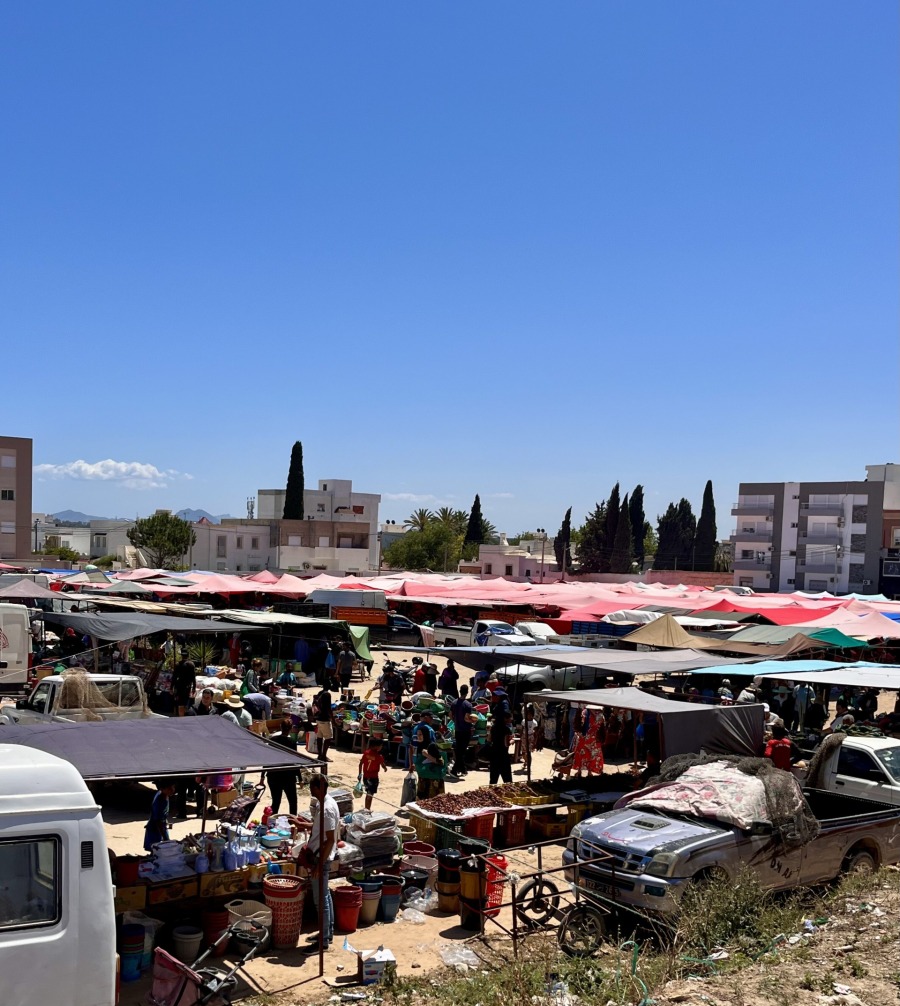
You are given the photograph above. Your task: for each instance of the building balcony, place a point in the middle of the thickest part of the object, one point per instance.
(753, 565)
(740, 509)
(819, 567)
(829, 538)
(740, 534)
(821, 509)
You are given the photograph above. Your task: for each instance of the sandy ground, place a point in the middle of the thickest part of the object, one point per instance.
(416, 947)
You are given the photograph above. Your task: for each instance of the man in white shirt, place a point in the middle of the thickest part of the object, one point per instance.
(326, 806)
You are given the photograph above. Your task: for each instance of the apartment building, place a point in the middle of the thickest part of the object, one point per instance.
(93, 540)
(15, 497)
(339, 531)
(238, 547)
(811, 536)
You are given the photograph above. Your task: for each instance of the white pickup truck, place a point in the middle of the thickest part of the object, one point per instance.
(868, 767)
(484, 632)
(75, 698)
(57, 918)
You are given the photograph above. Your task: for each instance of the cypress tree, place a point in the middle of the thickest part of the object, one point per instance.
(562, 543)
(705, 543)
(293, 496)
(613, 506)
(687, 529)
(592, 542)
(475, 527)
(620, 557)
(638, 524)
(667, 539)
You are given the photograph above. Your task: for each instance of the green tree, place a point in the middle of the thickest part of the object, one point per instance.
(613, 506)
(418, 520)
(687, 530)
(488, 531)
(163, 538)
(620, 556)
(651, 542)
(475, 528)
(676, 528)
(293, 495)
(435, 547)
(667, 539)
(562, 543)
(592, 540)
(705, 542)
(639, 524)
(62, 552)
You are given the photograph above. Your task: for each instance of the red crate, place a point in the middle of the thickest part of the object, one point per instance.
(511, 825)
(480, 826)
(495, 880)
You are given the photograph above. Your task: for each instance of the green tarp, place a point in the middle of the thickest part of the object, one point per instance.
(776, 634)
(359, 634)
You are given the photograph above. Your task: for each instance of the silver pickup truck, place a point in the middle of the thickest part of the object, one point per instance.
(655, 855)
(65, 699)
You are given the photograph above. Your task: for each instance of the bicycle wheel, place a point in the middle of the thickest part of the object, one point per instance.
(537, 902)
(582, 932)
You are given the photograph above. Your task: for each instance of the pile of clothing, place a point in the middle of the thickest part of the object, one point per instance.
(376, 835)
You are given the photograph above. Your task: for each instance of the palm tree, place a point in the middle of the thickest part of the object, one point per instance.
(488, 531)
(418, 520)
(444, 515)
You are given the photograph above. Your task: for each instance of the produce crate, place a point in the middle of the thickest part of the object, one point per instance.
(511, 827)
(575, 812)
(448, 832)
(425, 828)
(549, 826)
(480, 826)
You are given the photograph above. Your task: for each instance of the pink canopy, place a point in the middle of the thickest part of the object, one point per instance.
(263, 576)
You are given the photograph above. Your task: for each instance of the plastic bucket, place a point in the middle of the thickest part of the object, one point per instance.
(470, 880)
(186, 942)
(285, 896)
(368, 910)
(347, 904)
(390, 905)
(414, 878)
(470, 914)
(418, 849)
(127, 870)
(449, 903)
(214, 924)
(131, 964)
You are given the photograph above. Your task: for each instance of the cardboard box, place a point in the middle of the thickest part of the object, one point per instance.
(223, 798)
(370, 964)
(172, 890)
(131, 899)
(213, 885)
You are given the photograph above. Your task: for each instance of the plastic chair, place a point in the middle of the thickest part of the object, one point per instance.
(402, 758)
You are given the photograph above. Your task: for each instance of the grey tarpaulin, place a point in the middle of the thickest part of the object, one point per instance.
(153, 748)
(114, 626)
(686, 728)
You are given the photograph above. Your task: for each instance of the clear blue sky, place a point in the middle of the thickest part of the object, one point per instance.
(520, 249)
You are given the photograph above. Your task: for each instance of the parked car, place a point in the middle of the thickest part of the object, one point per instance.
(867, 767)
(399, 631)
(539, 631)
(484, 632)
(121, 697)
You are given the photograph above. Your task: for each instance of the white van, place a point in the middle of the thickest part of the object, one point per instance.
(57, 919)
(15, 647)
(349, 598)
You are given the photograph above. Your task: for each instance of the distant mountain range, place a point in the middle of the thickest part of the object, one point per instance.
(77, 517)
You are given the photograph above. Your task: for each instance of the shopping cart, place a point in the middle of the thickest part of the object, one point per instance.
(178, 984)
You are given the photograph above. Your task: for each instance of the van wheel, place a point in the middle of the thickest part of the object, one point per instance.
(860, 861)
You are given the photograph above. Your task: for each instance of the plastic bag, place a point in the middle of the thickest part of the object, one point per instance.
(425, 901)
(408, 793)
(461, 958)
(358, 789)
(413, 916)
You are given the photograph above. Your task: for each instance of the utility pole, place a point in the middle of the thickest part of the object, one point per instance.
(36, 522)
(543, 533)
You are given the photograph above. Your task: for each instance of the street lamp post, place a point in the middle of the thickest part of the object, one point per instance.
(543, 533)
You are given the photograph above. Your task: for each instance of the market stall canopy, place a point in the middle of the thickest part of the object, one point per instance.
(666, 632)
(133, 625)
(26, 590)
(687, 727)
(871, 625)
(783, 633)
(786, 668)
(359, 634)
(861, 675)
(602, 658)
(157, 747)
(134, 587)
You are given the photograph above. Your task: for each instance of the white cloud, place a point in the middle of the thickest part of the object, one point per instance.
(501, 496)
(411, 497)
(128, 474)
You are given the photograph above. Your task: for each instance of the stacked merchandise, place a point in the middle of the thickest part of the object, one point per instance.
(377, 837)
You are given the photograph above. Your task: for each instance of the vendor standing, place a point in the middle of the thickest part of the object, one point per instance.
(283, 782)
(430, 781)
(500, 736)
(157, 828)
(322, 852)
(461, 710)
(345, 660)
(184, 685)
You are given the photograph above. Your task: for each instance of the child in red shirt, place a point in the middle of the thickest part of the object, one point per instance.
(370, 765)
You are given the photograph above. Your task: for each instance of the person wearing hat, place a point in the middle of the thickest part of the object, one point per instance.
(724, 691)
(232, 709)
(431, 679)
(747, 695)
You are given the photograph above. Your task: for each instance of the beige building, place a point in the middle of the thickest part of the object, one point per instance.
(15, 497)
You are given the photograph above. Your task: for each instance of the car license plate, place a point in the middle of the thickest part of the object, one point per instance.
(598, 885)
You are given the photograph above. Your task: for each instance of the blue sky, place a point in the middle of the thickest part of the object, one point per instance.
(518, 249)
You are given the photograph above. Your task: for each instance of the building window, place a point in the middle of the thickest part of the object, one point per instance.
(748, 553)
(221, 546)
(745, 581)
(7, 495)
(791, 583)
(324, 542)
(221, 565)
(294, 540)
(7, 527)
(508, 571)
(239, 543)
(320, 508)
(253, 567)
(254, 544)
(325, 487)
(528, 572)
(7, 461)
(34, 899)
(488, 568)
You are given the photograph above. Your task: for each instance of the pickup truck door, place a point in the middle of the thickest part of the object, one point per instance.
(858, 774)
(776, 865)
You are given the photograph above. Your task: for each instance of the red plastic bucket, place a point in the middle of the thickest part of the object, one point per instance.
(418, 849)
(214, 924)
(347, 903)
(127, 870)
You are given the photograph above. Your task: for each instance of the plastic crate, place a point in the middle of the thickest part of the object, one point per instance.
(480, 826)
(575, 812)
(511, 826)
(495, 881)
(425, 828)
(549, 827)
(448, 832)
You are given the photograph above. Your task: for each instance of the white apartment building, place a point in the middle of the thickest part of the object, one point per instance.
(812, 536)
(228, 548)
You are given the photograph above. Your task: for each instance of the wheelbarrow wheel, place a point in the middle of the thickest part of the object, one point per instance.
(582, 932)
(537, 902)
